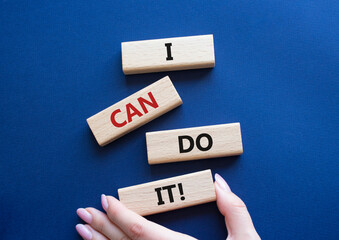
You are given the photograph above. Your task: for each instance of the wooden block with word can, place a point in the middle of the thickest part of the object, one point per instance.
(134, 111)
(169, 194)
(194, 143)
(168, 54)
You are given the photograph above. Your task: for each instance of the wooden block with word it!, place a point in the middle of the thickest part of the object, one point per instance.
(168, 54)
(134, 111)
(194, 143)
(169, 194)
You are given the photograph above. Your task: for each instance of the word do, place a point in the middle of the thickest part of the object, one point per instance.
(197, 141)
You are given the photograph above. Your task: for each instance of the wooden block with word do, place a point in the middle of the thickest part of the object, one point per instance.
(194, 143)
(134, 111)
(168, 54)
(169, 194)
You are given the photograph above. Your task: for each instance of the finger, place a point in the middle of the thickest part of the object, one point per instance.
(100, 222)
(88, 233)
(135, 226)
(237, 218)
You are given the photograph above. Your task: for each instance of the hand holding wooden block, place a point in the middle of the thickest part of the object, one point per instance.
(169, 194)
(134, 111)
(168, 54)
(194, 143)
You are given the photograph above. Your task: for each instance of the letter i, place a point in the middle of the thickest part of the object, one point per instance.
(169, 53)
(160, 201)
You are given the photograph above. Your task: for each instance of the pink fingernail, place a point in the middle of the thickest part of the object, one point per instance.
(83, 231)
(222, 183)
(84, 215)
(104, 202)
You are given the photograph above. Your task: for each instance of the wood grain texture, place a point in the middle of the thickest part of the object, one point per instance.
(197, 188)
(134, 111)
(164, 146)
(152, 55)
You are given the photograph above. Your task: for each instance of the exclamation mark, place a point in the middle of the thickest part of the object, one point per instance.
(181, 192)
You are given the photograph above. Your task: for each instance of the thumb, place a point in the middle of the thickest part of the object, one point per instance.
(237, 218)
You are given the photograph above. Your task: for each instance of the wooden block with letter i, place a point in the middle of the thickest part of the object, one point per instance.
(134, 111)
(168, 54)
(169, 194)
(194, 143)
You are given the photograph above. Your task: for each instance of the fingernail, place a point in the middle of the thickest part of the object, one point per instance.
(83, 231)
(84, 215)
(222, 183)
(104, 202)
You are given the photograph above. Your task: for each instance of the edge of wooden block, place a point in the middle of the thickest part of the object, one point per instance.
(242, 145)
(164, 180)
(147, 151)
(181, 67)
(212, 199)
(166, 78)
(101, 144)
(166, 38)
(154, 162)
(213, 51)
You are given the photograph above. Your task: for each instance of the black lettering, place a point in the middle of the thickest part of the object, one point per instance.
(181, 191)
(169, 190)
(181, 145)
(160, 201)
(169, 53)
(210, 142)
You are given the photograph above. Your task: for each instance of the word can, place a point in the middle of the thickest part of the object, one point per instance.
(134, 111)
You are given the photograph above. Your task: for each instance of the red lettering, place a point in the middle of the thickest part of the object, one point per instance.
(129, 114)
(131, 111)
(115, 123)
(142, 102)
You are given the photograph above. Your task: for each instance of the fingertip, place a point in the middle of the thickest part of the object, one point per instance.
(104, 202)
(84, 215)
(237, 217)
(84, 231)
(222, 183)
(112, 200)
(109, 203)
(90, 209)
(220, 198)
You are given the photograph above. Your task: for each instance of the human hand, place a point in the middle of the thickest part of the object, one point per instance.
(121, 223)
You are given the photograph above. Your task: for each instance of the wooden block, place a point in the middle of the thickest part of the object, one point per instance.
(194, 143)
(169, 194)
(134, 111)
(167, 54)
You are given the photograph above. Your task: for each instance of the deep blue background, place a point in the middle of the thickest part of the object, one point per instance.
(277, 73)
